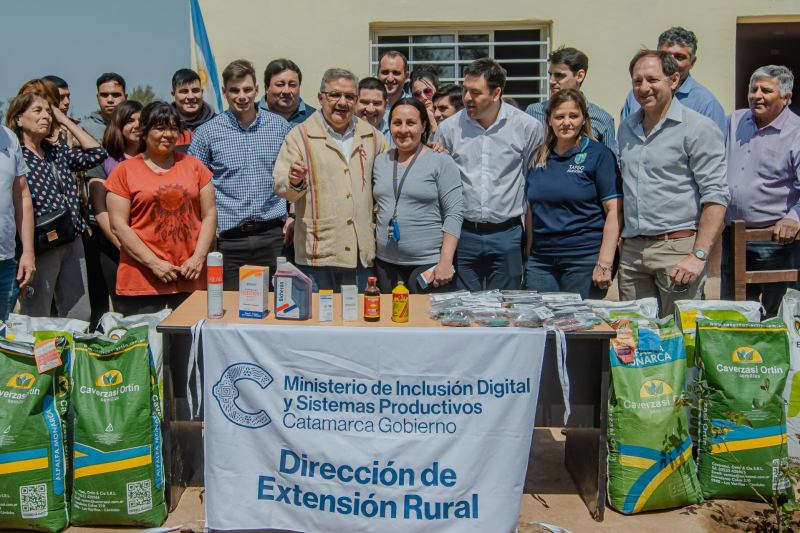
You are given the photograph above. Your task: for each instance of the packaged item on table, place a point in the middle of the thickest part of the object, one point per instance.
(742, 442)
(650, 463)
(455, 318)
(326, 305)
(254, 291)
(349, 303)
(32, 439)
(372, 301)
(556, 297)
(117, 468)
(292, 292)
(569, 323)
(493, 318)
(437, 308)
(400, 303)
(214, 279)
(608, 310)
(440, 297)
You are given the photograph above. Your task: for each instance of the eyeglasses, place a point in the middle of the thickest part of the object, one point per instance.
(335, 96)
(427, 91)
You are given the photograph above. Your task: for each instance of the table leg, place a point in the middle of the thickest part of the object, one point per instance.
(585, 451)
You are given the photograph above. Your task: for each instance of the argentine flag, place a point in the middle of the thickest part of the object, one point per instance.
(204, 60)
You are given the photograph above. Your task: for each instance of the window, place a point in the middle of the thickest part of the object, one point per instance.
(522, 51)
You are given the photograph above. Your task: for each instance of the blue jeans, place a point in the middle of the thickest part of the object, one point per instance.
(9, 290)
(567, 274)
(332, 278)
(490, 260)
(760, 256)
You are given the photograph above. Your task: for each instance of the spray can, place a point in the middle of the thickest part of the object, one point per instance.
(214, 277)
(400, 303)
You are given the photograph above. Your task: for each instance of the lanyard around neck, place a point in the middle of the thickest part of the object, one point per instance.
(398, 187)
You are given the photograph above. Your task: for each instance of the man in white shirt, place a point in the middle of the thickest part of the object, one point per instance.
(493, 144)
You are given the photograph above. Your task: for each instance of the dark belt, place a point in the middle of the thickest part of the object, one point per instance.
(680, 234)
(490, 227)
(251, 228)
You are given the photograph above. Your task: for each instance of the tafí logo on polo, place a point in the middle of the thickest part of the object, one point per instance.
(226, 391)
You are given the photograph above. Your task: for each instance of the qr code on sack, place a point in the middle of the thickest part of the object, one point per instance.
(140, 498)
(33, 500)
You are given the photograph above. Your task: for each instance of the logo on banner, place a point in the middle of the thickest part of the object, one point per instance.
(226, 391)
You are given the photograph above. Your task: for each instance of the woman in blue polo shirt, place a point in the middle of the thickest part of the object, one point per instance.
(574, 193)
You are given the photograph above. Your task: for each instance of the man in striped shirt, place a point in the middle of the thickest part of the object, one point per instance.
(568, 67)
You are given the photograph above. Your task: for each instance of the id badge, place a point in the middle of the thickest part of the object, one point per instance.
(394, 230)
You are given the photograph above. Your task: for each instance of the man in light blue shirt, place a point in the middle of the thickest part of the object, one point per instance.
(681, 44)
(675, 192)
(567, 70)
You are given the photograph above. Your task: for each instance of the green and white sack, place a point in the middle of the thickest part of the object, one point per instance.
(790, 313)
(118, 472)
(742, 444)
(650, 463)
(33, 473)
(688, 311)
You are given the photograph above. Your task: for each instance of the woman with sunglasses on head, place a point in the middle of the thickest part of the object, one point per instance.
(424, 85)
(162, 209)
(121, 141)
(60, 257)
(574, 193)
(419, 205)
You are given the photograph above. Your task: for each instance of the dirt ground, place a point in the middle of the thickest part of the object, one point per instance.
(550, 497)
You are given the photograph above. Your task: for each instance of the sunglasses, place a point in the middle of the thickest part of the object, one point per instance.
(427, 91)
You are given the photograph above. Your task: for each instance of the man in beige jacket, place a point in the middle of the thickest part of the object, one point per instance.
(325, 168)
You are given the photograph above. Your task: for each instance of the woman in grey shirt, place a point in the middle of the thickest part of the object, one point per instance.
(419, 205)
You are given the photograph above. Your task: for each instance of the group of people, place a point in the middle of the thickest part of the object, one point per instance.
(440, 187)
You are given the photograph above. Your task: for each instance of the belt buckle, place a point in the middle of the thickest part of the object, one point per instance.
(248, 226)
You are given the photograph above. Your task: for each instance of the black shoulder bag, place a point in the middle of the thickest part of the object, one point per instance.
(55, 228)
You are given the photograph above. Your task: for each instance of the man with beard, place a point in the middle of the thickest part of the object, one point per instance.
(187, 96)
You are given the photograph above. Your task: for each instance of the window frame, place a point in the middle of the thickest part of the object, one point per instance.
(456, 29)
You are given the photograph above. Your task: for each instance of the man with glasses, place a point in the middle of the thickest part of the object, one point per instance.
(240, 147)
(674, 188)
(325, 168)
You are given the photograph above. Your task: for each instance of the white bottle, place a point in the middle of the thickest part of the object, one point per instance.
(214, 276)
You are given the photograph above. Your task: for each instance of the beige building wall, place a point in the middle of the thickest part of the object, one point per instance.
(318, 34)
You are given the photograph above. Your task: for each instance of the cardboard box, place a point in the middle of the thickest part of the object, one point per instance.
(253, 291)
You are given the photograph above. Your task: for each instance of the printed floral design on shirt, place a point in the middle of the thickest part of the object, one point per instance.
(172, 213)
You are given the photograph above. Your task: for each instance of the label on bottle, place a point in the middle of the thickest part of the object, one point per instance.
(372, 306)
(399, 307)
(214, 277)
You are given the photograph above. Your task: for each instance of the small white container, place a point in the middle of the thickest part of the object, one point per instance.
(326, 305)
(349, 303)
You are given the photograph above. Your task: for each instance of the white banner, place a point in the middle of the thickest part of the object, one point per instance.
(338, 429)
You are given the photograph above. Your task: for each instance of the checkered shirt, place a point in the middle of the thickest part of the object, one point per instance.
(242, 161)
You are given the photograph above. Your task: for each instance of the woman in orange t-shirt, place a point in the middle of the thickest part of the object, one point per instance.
(162, 209)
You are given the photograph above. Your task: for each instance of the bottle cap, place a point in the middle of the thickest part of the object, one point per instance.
(214, 259)
(400, 283)
(372, 279)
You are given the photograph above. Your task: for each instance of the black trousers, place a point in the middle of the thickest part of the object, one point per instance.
(258, 249)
